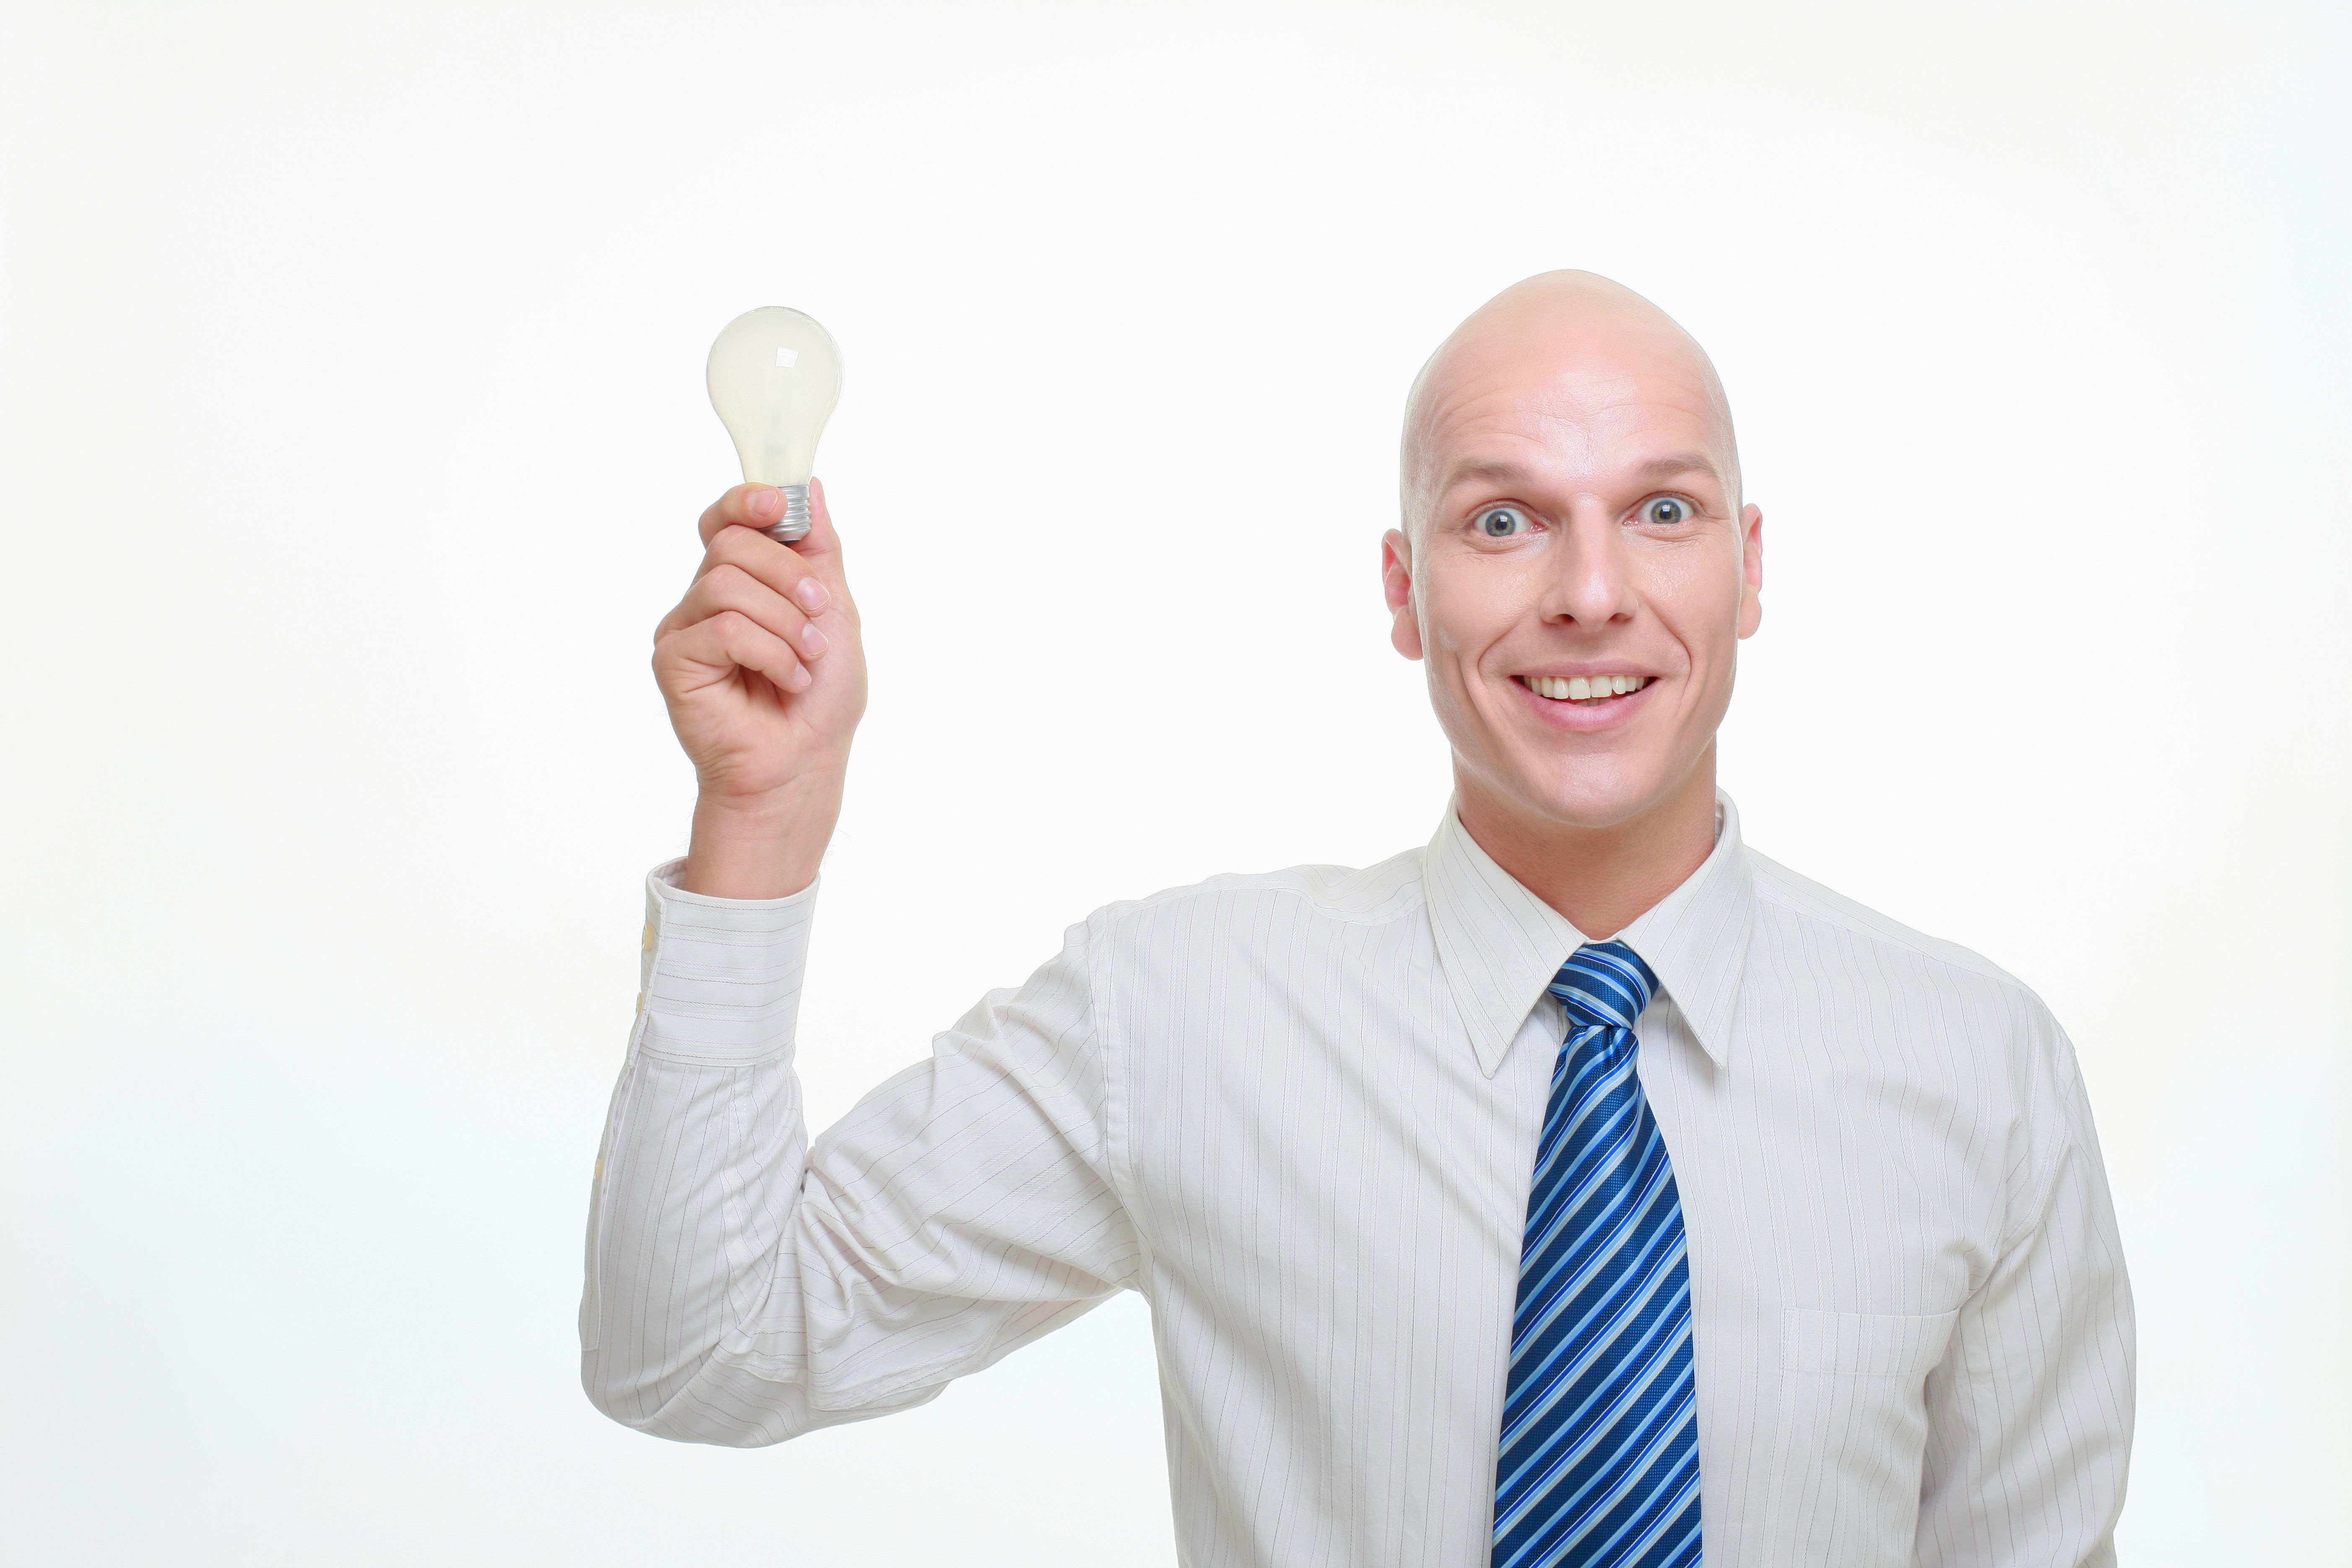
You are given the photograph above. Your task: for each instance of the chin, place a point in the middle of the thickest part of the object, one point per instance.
(1596, 795)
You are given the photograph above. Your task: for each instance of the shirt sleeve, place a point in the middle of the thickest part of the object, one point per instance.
(2030, 1415)
(744, 1286)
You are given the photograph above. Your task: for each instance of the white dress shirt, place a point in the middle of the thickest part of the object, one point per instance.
(1299, 1112)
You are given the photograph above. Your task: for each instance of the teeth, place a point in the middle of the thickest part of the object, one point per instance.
(1585, 688)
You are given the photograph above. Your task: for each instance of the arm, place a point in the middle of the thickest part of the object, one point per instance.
(2030, 1415)
(742, 1286)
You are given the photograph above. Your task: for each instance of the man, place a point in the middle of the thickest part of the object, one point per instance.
(1582, 1188)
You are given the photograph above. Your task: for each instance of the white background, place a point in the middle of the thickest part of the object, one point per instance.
(353, 439)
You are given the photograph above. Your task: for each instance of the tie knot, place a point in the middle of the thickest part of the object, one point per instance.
(1604, 983)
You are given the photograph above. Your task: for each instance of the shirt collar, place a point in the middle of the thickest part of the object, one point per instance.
(1500, 945)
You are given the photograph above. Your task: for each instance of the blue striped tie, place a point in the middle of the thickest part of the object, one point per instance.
(1600, 1454)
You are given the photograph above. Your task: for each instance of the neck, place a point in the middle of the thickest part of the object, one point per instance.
(1600, 878)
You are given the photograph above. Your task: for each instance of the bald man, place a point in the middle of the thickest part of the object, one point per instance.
(1579, 1188)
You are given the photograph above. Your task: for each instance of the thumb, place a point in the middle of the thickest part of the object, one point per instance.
(821, 546)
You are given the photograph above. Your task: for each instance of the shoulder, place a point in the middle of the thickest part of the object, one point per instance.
(1809, 912)
(1228, 969)
(1827, 954)
(1265, 929)
(1378, 894)
(1851, 957)
(1928, 989)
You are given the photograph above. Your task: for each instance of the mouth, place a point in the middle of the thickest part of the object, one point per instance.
(1584, 703)
(1584, 690)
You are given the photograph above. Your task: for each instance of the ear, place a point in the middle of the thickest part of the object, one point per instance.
(1396, 582)
(1751, 570)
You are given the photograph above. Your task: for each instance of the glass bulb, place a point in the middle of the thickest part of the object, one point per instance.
(774, 378)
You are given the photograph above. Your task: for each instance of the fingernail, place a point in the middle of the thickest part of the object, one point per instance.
(765, 501)
(811, 594)
(813, 639)
(800, 679)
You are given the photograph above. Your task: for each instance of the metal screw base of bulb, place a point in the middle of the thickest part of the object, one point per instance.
(794, 523)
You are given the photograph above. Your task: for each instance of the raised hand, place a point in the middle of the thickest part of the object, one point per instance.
(763, 668)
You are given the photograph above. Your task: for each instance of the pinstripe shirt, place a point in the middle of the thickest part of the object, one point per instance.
(1299, 1111)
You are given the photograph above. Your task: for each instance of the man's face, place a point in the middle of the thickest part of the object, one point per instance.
(1580, 573)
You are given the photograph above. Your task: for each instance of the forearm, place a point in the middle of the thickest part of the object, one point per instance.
(703, 1164)
(665, 1277)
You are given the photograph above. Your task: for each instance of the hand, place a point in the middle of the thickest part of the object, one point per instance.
(762, 670)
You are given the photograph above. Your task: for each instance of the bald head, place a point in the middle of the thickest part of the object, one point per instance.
(1568, 352)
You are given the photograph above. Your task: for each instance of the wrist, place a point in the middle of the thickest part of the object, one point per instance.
(766, 846)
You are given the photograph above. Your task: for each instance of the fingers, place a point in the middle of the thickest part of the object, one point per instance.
(745, 506)
(744, 514)
(727, 587)
(760, 506)
(778, 568)
(821, 544)
(716, 647)
(754, 603)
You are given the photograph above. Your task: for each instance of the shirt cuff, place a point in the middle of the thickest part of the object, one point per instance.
(720, 980)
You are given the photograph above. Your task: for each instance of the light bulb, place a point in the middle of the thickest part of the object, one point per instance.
(774, 376)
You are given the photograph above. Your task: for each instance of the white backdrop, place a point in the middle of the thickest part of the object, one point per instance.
(353, 439)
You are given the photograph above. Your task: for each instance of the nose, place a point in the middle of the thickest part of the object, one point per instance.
(1587, 583)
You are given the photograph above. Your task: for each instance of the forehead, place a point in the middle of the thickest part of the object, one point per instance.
(1571, 418)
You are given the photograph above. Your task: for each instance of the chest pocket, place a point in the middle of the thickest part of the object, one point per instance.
(1853, 1431)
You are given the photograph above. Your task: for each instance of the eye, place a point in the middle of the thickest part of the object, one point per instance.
(1502, 521)
(1664, 511)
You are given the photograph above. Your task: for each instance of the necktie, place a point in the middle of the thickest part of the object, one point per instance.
(1600, 1445)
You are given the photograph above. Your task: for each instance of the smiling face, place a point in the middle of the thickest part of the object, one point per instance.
(1579, 569)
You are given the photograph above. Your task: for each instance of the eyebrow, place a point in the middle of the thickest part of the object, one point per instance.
(1502, 470)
